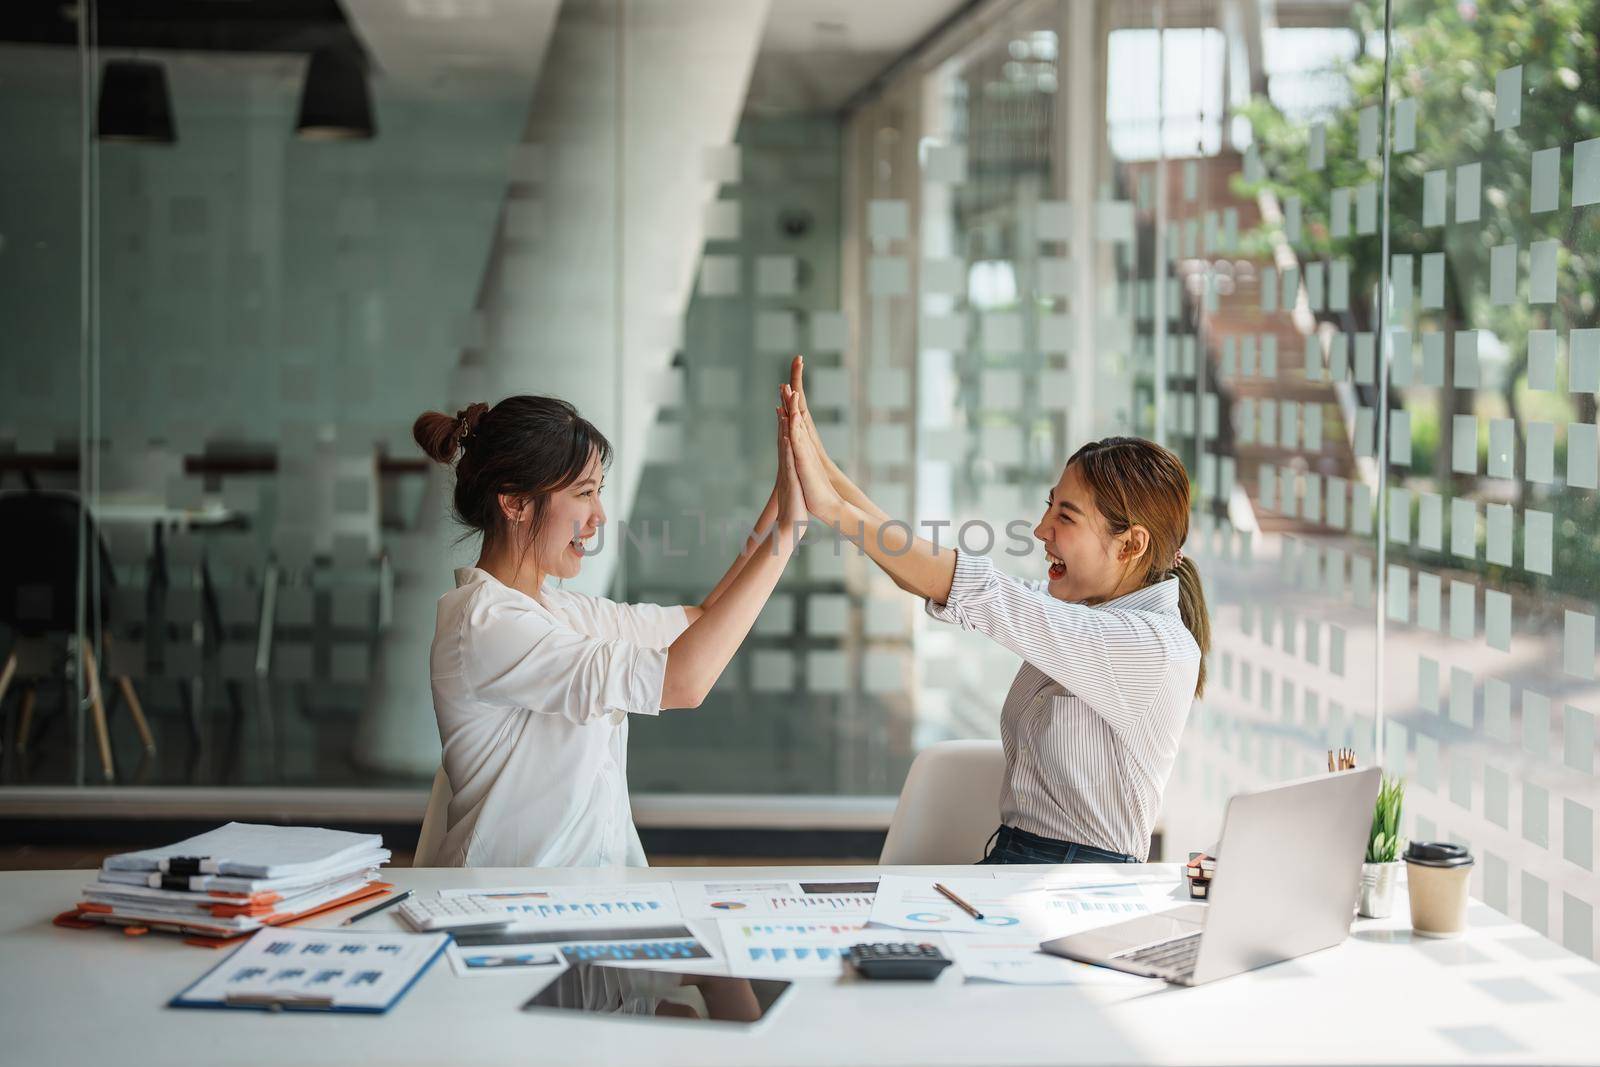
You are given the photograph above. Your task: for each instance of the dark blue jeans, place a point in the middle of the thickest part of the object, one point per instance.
(1018, 846)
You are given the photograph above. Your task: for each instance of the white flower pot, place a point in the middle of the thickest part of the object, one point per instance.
(1378, 880)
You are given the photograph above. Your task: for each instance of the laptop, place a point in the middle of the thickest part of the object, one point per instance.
(1288, 870)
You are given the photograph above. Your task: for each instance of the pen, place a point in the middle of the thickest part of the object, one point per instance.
(397, 898)
(958, 902)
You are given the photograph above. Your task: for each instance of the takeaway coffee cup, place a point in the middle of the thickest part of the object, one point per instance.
(1436, 874)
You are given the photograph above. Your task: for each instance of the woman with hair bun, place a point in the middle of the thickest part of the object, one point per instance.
(533, 685)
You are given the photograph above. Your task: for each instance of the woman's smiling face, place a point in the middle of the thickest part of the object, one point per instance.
(1086, 562)
(572, 516)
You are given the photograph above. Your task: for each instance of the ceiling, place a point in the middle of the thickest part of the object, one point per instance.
(817, 54)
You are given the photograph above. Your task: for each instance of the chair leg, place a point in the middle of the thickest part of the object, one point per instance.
(6, 674)
(97, 709)
(25, 723)
(125, 687)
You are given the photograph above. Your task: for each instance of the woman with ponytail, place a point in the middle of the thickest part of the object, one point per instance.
(532, 684)
(1113, 639)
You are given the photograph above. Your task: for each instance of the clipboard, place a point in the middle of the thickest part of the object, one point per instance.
(362, 972)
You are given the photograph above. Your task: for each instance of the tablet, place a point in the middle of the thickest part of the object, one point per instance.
(598, 989)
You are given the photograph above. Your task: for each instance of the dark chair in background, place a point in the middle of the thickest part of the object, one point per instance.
(41, 593)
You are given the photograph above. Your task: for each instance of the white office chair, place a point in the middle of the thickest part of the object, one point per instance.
(949, 805)
(435, 821)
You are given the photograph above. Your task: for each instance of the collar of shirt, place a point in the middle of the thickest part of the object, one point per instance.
(1162, 597)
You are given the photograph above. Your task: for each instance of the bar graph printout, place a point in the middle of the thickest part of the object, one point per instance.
(1039, 908)
(830, 899)
(768, 946)
(568, 907)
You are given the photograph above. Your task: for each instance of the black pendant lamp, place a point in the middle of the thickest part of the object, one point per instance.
(334, 102)
(134, 104)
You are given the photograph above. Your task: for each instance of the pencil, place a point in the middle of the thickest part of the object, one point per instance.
(958, 902)
(397, 898)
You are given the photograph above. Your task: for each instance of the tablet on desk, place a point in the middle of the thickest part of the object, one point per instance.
(598, 989)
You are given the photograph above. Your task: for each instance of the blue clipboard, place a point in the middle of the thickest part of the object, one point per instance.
(267, 1001)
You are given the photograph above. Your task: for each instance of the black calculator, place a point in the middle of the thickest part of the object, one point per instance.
(914, 962)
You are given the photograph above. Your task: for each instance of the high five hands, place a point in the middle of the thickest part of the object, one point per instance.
(829, 493)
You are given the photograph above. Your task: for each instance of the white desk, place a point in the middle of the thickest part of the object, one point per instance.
(1501, 994)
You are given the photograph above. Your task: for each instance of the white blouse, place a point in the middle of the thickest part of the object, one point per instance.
(1092, 722)
(532, 698)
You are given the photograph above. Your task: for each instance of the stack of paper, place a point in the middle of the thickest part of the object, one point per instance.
(236, 879)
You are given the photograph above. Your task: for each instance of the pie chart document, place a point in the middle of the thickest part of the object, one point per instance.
(1037, 908)
(809, 899)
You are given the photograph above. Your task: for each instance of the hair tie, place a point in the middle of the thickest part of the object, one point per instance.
(1177, 559)
(467, 422)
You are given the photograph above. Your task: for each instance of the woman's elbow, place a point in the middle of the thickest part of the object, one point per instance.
(681, 694)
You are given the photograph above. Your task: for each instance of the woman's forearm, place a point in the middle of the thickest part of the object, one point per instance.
(701, 652)
(917, 566)
(852, 492)
(757, 536)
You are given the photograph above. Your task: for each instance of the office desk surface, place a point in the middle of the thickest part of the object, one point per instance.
(1501, 994)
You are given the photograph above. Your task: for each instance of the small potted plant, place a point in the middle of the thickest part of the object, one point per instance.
(1384, 849)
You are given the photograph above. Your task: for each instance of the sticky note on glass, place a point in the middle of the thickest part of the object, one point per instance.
(719, 276)
(1542, 272)
(1430, 521)
(1317, 147)
(1399, 515)
(1538, 528)
(1399, 593)
(1339, 212)
(888, 276)
(1367, 133)
(1433, 358)
(1338, 356)
(1400, 437)
(1502, 451)
(1469, 191)
(1269, 289)
(1577, 657)
(1055, 276)
(1400, 357)
(1113, 220)
(1428, 686)
(1434, 191)
(1405, 125)
(1544, 192)
(1364, 353)
(1541, 463)
(1269, 355)
(1002, 331)
(1289, 417)
(1508, 98)
(1464, 528)
(1466, 376)
(943, 332)
(1339, 285)
(829, 331)
(1400, 283)
(778, 275)
(888, 220)
(1577, 739)
(1583, 444)
(1542, 360)
(1497, 534)
(1583, 354)
(1053, 221)
(1586, 172)
(721, 164)
(945, 163)
(1429, 597)
(1367, 208)
(1503, 274)
(776, 331)
(1464, 444)
(1463, 611)
(1338, 489)
(1291, 286)
(945, 276)
(1432, 280)
(1363, 432)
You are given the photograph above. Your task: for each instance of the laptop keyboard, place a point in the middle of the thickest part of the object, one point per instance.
(1174, 957)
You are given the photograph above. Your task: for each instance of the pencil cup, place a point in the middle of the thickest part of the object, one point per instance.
(1436, 877)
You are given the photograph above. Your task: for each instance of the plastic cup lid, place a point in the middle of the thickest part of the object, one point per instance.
(1437, 854)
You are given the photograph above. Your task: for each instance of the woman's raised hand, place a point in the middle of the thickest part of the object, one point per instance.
(797, 385)
(787, 493)
(810, 466)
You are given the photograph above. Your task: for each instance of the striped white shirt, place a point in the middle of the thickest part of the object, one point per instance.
(1092, 721)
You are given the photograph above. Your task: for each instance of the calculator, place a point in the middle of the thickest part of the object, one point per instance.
(426, 915)
(896, 960)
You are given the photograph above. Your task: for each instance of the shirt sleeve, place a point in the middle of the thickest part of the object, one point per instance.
(649, 625)
(521, 658)
(1115, 661)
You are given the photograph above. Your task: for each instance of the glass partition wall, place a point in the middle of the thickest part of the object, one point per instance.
(1339, 258)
